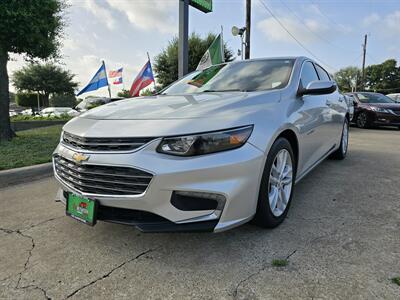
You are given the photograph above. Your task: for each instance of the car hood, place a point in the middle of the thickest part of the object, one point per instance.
(171, 106)
(174, 115)
(393, 106)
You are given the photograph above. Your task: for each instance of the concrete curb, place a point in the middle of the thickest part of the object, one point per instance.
(25, 174)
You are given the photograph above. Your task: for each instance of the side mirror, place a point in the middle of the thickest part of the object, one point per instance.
(318, 88)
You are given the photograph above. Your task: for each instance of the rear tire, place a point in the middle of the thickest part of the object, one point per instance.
(277, 184)
(340, 153)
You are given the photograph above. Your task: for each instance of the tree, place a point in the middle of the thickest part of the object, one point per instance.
(384, 77)
(123, 94)
(166, 63)
(30, 27)
(45, 79)
(348, 78)
(28, 100)
(63, 100)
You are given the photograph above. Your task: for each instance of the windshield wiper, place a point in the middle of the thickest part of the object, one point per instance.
(228, 90)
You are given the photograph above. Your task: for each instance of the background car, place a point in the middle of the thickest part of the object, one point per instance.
(58, 112)
(27, 112)
(374, 109)
(13, 113)
(395, 97)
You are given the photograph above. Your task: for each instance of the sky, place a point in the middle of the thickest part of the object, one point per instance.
(121, 32)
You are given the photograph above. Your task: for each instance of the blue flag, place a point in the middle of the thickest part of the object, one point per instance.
(99, 80)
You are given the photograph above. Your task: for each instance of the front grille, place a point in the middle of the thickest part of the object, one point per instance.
(104, 144)
(101, 180)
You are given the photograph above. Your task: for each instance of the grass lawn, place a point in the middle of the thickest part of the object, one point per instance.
(30, 147)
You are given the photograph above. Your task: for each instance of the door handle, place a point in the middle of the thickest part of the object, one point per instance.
(328, 102)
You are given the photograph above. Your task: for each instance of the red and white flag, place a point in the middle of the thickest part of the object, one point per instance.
(143, 79)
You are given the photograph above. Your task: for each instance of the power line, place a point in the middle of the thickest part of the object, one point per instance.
(293, 37)
(326, 16)
(311, 30)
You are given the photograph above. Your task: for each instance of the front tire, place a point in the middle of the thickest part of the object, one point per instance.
(362, 120)
(277, 185)
(340, 153)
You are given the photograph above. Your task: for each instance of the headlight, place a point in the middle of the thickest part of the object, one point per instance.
(381, 110)
(204, 143)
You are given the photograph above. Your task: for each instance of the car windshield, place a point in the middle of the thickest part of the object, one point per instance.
(373, 98)
(238, 76)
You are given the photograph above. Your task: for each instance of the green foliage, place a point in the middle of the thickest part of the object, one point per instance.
(30, 147)
(166, 63)
(45, 78)
(31, 27)
(396, 280)
(347, 78)
(148, 92)
(28, 99)
(21, 118)
(123, 94)
(384, 77)
(63, 100)
(280, 262)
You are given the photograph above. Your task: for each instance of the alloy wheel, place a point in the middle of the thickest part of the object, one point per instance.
(362, 120)
(280, 182)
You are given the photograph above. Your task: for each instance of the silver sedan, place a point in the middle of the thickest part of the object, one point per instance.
(214, 150)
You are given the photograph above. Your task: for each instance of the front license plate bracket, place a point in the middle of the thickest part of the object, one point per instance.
(82, 209)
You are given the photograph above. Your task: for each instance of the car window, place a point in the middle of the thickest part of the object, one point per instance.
(373, 98)
(308, 74)
(255, 75)
(323, 75)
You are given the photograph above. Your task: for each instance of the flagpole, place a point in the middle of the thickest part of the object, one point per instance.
(108, 84)
(222, 44)
(154, 82)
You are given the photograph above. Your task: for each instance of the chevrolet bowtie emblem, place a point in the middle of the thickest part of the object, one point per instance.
(79, 157)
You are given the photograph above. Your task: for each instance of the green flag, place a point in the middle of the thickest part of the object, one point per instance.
(214, 55)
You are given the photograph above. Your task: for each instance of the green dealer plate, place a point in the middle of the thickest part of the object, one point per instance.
(81, 209)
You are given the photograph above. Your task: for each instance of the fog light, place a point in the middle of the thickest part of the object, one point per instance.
(192, 201)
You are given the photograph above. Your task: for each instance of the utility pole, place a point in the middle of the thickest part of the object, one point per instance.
(248, 25)
(363, 63)
(183, 56)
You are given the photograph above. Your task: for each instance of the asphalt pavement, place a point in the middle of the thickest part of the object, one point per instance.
(341, 241)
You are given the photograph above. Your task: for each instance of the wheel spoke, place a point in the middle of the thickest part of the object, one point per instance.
(282, 161)
(273, 180)
(283, 198)
(273, 197)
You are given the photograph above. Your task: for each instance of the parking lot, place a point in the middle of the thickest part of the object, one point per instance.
(341, 239)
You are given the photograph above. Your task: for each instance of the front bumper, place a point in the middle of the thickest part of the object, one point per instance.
(233, 175)
(385, 119)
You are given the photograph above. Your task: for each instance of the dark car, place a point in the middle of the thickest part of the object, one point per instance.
(374, 109)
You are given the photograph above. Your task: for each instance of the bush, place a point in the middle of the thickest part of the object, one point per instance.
(28, 100)
(20, 118)
(63, 100)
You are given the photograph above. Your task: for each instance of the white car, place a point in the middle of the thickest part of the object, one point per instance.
(58, 111)
(214, 150)
(395, 97)
(27, 112)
